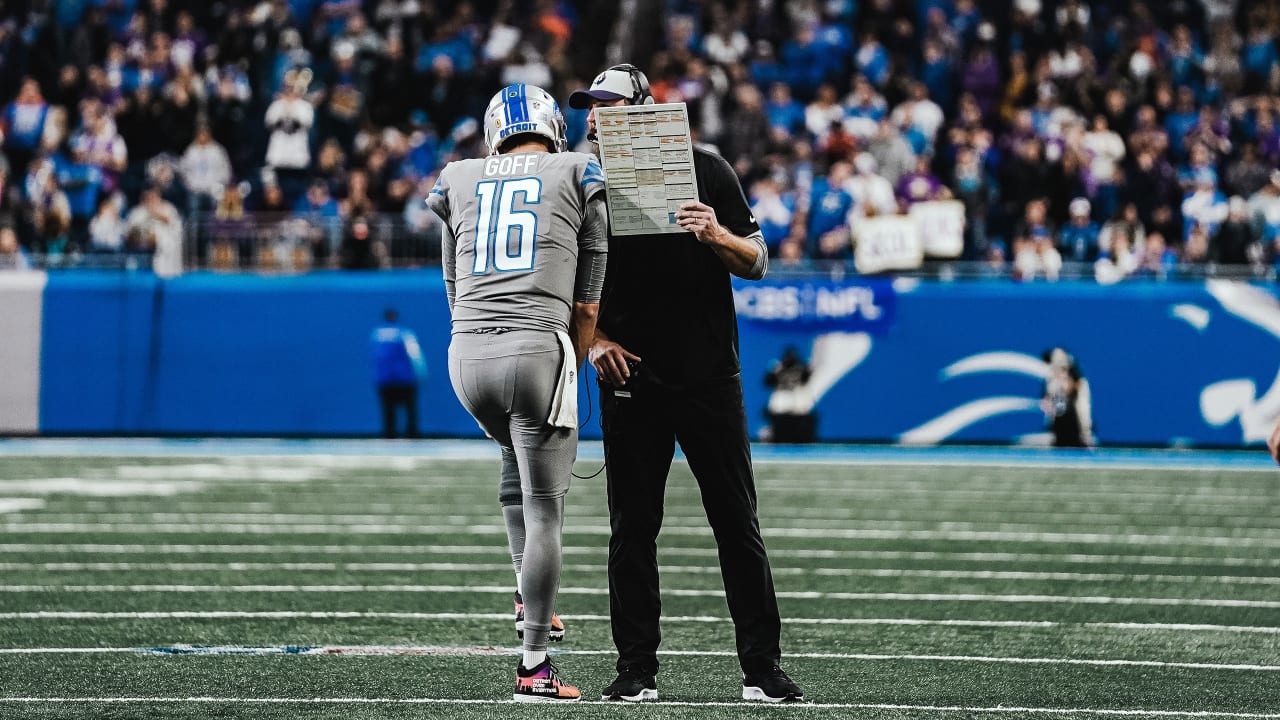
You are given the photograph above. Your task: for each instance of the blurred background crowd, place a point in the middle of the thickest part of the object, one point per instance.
(1106, 139)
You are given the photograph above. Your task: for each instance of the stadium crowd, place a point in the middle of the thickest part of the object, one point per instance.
(1127, 138)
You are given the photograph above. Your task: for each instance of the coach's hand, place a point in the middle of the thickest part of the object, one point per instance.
(701, 220)
(610, 361)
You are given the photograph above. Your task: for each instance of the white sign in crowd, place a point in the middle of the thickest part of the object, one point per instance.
(901, 242)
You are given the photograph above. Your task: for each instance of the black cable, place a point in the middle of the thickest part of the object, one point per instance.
(584, 424)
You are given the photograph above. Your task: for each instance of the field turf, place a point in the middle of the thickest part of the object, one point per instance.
(318, 585)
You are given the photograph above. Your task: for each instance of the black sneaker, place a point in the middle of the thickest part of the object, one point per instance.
(632, 685)
(772, 685)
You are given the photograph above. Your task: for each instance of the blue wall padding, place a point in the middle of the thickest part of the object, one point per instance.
(211, 354)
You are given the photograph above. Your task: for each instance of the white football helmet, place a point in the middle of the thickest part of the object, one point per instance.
(519, 109)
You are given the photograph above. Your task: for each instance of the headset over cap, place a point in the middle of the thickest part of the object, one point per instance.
(620, 82)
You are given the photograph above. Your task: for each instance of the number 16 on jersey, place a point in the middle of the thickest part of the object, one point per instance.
(498, 217)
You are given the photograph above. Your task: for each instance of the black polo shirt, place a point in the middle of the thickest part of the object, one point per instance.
(668, 299)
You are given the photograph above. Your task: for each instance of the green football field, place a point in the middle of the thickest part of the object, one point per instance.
(349, 586)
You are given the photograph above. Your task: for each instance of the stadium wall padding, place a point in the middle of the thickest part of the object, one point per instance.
(20, 308)
(212, 354)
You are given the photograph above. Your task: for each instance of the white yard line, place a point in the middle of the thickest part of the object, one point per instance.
(1081, 538)
(409, 567)
(690, 522)
(744, 706)
(452, 651)
(1101, 513)
(500, 551)
(678, 619)
(676, 592)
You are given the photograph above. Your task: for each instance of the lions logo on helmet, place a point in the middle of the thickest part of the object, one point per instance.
(520, 109)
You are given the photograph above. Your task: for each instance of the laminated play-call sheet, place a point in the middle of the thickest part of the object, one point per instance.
(648, 163)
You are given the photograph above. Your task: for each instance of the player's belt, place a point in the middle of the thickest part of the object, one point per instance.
(490, 331)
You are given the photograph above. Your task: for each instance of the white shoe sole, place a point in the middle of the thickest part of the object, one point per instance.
(755, 693)
(646, 694)
(541, 699)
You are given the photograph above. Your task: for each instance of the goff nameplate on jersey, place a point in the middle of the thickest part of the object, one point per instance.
(647, 153)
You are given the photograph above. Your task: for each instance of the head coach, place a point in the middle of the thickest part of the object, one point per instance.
(666, 351)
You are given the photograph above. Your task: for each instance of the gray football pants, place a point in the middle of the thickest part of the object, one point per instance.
(507, 381)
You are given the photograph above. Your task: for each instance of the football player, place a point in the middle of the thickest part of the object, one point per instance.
(524, 250)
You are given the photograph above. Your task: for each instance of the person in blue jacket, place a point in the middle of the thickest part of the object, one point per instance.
(397, 368)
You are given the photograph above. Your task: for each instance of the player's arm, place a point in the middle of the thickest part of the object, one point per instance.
(449, 261)
(593, 256)
(438, 202)
(726, 225)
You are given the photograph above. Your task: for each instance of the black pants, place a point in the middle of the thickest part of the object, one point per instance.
(392, 397)
(640, 433)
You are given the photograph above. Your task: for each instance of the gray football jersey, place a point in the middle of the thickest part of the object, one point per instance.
(515, 220)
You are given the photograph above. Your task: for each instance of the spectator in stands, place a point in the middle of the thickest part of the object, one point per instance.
(1161, 87)
(872, 194)
(919, 118)
(422, 226)
(785, 113)
(1248, 174)
(747, 131)
(1236, 241)
(50, 211)
(324, 218)
(1264, 211)
(864, 109)
(1158, 260)
(359, 250)
(973, 187)
(920, 185)
(1120, 261)
(1035, 256)
(1128, 219)
(1195, 249)
(205, 169)
(230, 232)
(1106, 148)
(289, 119)
(12, 256)
(343, 97)
(162, 172)
(827, 216)
(1206, 206)
(873, 60)
(107, 228)
(82, 181)
(228, 116)
(24, 125)
(823, 113)
(1078, 240)
(154, 229)
(893, 154)
(103, 145)
(995, 264)
(774, 210)
(981, 75)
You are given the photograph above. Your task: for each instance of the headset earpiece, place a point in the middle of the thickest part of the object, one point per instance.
(640, 93)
